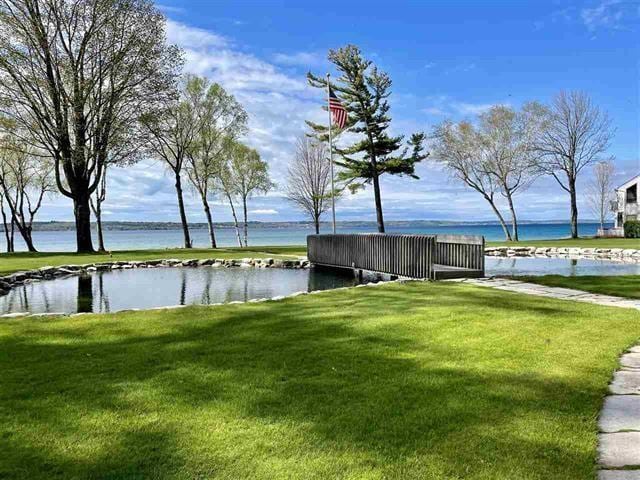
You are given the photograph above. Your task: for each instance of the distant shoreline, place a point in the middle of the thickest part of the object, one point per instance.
(55, 226)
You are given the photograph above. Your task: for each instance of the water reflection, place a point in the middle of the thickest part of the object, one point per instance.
(111, 291)
(557, 266)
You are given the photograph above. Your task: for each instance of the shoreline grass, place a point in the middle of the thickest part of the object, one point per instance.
(627, 286)
(417, 380)
(13, 262)
(586, 242)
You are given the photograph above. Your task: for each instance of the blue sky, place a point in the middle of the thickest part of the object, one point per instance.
(447, 59)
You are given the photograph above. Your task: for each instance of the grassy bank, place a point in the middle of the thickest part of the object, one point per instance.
(620, 286)
(27, 261)
(429, 381)
(577, 242)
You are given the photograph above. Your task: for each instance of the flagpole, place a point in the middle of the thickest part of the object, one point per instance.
(333, 198)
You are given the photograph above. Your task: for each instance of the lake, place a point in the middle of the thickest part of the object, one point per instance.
(59, 241)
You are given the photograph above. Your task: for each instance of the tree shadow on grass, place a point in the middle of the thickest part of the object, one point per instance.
(328, 385)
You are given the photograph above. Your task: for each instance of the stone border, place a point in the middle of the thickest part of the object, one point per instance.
(49, 273)
(627, 255)
(619, 422)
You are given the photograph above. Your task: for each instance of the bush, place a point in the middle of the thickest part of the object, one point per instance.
(632, 229)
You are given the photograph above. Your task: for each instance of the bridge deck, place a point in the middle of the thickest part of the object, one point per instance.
(444, 272)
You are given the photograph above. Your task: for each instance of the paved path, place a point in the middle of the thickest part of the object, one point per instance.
(553, 292)
(619, 422)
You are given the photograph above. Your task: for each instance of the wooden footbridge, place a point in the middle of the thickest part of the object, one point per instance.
(433, 257)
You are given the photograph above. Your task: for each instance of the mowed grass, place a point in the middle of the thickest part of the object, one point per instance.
(401, 381)
(574, 242)
(27, 261)
(619, 285)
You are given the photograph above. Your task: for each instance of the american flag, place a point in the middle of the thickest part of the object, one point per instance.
(338, 112)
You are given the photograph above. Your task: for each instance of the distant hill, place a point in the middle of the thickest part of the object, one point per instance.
(62, 226)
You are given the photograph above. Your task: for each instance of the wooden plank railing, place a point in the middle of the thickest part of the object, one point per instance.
(403, 255)
(465, 251)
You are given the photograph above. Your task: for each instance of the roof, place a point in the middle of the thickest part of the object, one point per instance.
(630, 182)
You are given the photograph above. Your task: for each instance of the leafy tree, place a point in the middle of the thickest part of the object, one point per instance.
(25, 179)
(364, 91)
(221, 120)
(76, 74)
(457, 147)
(171, 132)
(575, 134)
(244, 175)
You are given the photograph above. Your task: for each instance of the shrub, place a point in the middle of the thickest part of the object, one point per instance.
(632, 229)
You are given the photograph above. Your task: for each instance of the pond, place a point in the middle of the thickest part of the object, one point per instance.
(142, 288)
(557, 266)
(115, 290)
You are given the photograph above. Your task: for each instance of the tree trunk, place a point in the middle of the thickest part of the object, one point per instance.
(207, 212)
(503, 224)
(574, 208)
(12, 237)
(25, 232)
(246, 226)
(98, 214)
(235, 219)
(378, 200)
(514, 220)
(183, 214)
(8, 233)
(316, 223)
(82, 214)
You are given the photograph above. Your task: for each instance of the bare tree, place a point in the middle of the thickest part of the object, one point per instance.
(575, 134)
(309, 179)
(246, 175)
(221, 119)
(76, 73)
(458, 148)
(601, 193)
(506, 139)
(24, 180)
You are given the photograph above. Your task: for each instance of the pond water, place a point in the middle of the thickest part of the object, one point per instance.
(557, 266)
(114, 290)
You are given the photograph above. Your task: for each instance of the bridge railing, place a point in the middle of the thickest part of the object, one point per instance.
(403, 255)
(464, 251)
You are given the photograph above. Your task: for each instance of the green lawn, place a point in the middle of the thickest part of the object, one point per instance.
(618, 285)
(579, 242)
(402, 381)
(27, 261)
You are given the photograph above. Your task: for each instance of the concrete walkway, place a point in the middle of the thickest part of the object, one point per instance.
(553, 292)
(619, 422)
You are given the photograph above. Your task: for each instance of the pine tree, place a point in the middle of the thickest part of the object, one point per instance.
(364, 91)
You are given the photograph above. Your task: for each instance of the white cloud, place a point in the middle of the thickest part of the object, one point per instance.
(303, 59)
(608, 14)
(464, 108)
(264, 211)
(443, 105)
(170, 9)
(182, 35)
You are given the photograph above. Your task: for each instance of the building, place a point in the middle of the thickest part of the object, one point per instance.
(625, 207)
(627, 196)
